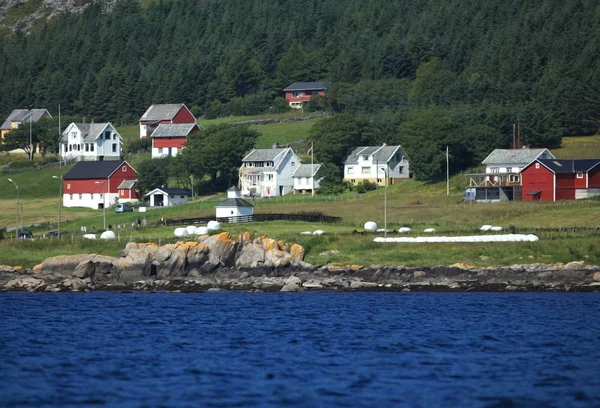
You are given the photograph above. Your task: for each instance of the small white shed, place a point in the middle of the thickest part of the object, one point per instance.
(166, 197)
(234, 205)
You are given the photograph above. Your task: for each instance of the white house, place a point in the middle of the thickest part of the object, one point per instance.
(166, 197)
(507, 161)
(90, 142)
(268, 172)
(376, 164)
(306, 179)
(234, 205)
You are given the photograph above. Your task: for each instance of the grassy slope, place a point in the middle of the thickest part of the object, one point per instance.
(39, 194)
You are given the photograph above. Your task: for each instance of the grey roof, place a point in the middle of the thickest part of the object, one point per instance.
(174, 130)
(173, 191)
(24, 115)
(84, 170)
(234, 202)
(570, 165)
(306, 86)
(162, 112)
(89, 131)
(307, 170)
(233, 188)
(515, 156)
(381, 154)
(127, 185)
(261, 155)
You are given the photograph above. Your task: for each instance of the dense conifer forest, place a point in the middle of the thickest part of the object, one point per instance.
(456, 68)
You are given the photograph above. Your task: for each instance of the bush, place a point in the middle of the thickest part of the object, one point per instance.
(139, 146)
(365, 186)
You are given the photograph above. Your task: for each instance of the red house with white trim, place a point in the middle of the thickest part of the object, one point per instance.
(560, 179)
(165, 114)
(169, 139)
(99, 184)
(299, 93)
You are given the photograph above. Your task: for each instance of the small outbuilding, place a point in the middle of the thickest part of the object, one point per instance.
(166, 197)
(234, 205)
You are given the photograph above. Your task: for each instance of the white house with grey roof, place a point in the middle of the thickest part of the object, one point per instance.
(169, 113)
(376, 164)
(234, 205)
(167, 197)
(90, 142)
(268, 172)
(507, 161)
(306, 178)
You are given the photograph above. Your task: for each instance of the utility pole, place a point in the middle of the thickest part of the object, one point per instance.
(447, 172)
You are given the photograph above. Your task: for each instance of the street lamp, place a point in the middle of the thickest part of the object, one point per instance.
(17, 228)
(59, 201)
(385, 173)
(103, 202)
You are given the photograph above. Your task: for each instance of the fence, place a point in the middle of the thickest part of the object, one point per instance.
(257, 218)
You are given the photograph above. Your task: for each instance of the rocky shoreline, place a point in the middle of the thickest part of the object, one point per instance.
(262, 264)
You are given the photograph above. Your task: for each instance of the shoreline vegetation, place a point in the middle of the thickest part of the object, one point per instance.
(262, 264)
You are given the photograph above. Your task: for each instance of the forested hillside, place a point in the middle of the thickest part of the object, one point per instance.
(451, 65)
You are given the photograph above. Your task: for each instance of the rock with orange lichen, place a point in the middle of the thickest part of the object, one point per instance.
(223, 249)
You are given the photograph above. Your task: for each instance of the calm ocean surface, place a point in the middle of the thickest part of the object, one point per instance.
(223, 349)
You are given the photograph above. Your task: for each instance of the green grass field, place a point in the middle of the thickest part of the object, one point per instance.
(39, 196)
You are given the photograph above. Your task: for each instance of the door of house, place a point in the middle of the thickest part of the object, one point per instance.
(170, 151)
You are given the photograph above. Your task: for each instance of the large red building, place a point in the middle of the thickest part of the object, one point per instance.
(99, 184)
(168, 140)
(164, 114)
(301, 92)
(560, 179)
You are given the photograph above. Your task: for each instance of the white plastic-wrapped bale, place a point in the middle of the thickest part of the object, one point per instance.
(108, 235)
(496, 229)
(89, 236)
(485, 227)
(404, 230)
(191, 229)
(201, 231)
(213, 225)
(180, 232)
(370, 226)
(318, 232)
(429, 230)
(306, 233)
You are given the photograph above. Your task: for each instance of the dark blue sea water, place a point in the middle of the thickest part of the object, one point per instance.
(300, 349)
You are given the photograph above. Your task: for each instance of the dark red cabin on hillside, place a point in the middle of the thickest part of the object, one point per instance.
(301, 92)
(560, 179)
(165, 114)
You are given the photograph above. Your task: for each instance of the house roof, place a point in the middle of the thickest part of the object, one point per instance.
(261, 155)
(234, 202)
(24, 115)
(93, 169)
(307, 170)
(174, 130)
(515, 156)
(127, 184)
(89, 131)
(170, 191)
(306, 86)
(382, 154)
(233, 188)
(162, 112)
(570, 165)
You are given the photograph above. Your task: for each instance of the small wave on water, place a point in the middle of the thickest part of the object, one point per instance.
(229, 349)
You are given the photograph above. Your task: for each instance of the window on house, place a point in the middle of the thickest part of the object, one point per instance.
(68, 186)
(107, 135)
(352, 181)
(365, 157)
(509, 169)
(350, 170)
(537, 165)
(101, 196)
(114, 149)
(513, 178)
(293, 163)
(70, 196)
(579, 174)
(91, 147)
(124, 169)
(87, 147)
(92, 196)
(70, 148)
(401, 169)
(269, 177)
(495, 170)
(114, 136)
(73, 135)
(81, 196)
(160, 150)
(78, 147)
(365, 170)
(379, 180)
(181, 196)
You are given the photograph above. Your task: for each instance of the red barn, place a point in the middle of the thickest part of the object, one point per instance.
(165, 114)
(168, 140)
(96, 184)
(560, 179)
(301, 92)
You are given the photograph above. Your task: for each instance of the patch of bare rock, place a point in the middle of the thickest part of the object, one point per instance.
(263, 264)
